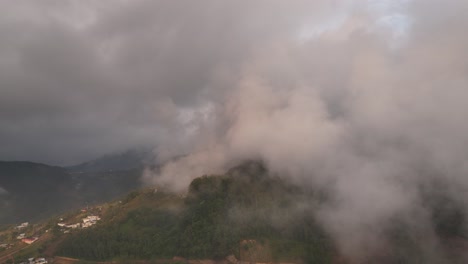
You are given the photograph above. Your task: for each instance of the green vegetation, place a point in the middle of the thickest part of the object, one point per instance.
(218, 215)
(247, 213)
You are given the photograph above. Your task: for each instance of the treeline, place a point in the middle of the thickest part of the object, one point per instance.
(219, 214)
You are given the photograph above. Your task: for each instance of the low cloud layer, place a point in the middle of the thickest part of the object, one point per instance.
(3, 191)
(357, 110)
(364, 98)
(81, 78)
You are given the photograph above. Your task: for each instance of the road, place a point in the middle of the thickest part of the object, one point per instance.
(9, 254)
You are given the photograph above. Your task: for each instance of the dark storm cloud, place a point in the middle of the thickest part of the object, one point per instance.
(83, 78)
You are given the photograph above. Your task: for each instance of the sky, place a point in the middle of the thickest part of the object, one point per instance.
(365, 98)
(80, 79)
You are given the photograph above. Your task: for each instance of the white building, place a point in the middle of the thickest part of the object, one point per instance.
(91, 218)
(23, 225)
(74, 226)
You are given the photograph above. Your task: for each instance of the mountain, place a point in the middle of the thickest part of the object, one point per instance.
(97, 187)
(33, 191)
(111, 175)
(128, 160)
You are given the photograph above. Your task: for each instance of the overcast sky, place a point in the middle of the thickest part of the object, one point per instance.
(364, 98)
(79, 79)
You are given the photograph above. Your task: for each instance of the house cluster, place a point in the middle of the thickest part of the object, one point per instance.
(71, 226)
(23, 225)
(90, 221)
(35, 261)
(87, 222)
(6, 246)
(27, 240)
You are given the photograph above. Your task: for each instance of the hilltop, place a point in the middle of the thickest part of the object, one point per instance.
(124, 161)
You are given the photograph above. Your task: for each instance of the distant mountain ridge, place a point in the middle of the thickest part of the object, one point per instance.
(130, 159)
(32, 191)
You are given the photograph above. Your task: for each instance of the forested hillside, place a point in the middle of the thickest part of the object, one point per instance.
(243, 212)
(255, 217)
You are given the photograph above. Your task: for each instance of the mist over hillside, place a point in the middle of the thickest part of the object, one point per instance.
(364, 100)
(254, 216)
(249, 213)
(128, 160)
